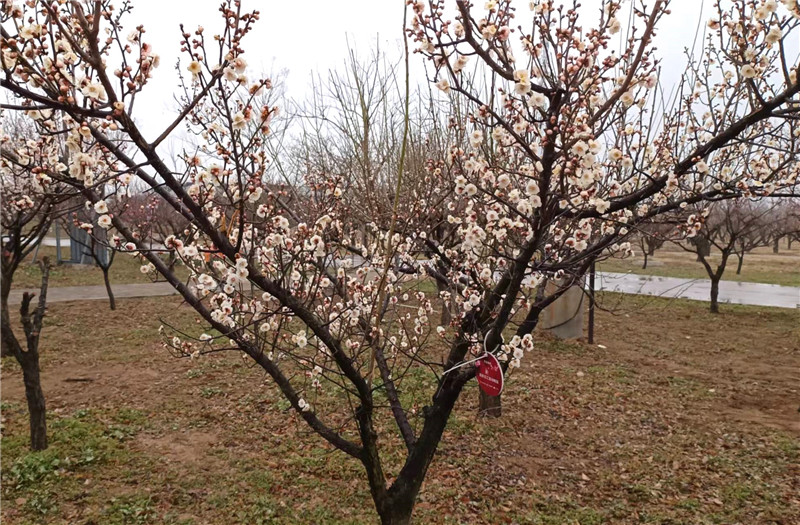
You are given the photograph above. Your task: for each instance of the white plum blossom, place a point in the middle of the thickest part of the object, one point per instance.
(104, 221)
(748, 71)
(537, 100)
(194, 68)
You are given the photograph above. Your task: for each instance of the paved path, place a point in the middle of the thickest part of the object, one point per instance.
(731, 292)
(65, 242)
(697, 289)
(51, 241)
(95, 293)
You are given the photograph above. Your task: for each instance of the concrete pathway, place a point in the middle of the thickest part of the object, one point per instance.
(731, 292)
(51, 241)
(97, 293)
(65, 243)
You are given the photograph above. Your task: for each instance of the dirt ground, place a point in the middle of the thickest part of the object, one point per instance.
(674, 416)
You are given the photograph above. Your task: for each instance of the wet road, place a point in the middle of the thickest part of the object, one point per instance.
(731, 292)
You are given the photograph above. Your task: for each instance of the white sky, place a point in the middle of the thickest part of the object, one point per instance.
(311, 35)
(300, 36)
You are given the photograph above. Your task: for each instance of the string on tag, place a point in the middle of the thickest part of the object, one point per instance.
(484, 354)
(466, 362)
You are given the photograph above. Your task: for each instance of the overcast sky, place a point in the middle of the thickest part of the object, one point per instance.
(312, 35)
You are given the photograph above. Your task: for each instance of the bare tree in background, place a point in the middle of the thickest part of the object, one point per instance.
(767, 225)
(784, 224)
(733, 228)
(352, 129)
(652, 236)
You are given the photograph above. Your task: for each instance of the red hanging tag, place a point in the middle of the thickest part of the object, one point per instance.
(490, 375)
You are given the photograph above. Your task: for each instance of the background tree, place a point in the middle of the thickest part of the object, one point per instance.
(570, 153)
(732, 227)
(92, 243)
(30, 201)
(351, 128)
(652, 236)
(784, 223)
(791, 213)
(763, 215)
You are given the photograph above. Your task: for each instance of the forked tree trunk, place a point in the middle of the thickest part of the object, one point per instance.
(112, 302)
(739, 266)
(28, 358)
(35, 397)
(715, 295)
(395, 504)
(644, 265)
(490, 406)
(395, 515)
(703, 248)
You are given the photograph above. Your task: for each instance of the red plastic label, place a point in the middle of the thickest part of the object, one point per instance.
(490, 375)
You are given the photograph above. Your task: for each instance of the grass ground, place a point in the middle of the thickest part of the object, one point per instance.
(680, 417)
(124, 270)
(760, 266)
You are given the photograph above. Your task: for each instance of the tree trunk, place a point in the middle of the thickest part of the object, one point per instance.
(714, 296)
(775, 245)
(789, 242)
(703, 248)
(739, 266)
(112, 302)
(35, 397)
(644, 265)
(396, 504)
(5, 333)
(396, 515)
(490, 406)
(29, 359)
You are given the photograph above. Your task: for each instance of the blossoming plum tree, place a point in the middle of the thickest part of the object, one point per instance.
(570, 151)
(577, 146)
(32, 201)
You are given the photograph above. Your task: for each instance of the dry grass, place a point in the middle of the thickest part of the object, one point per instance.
(683, 418)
